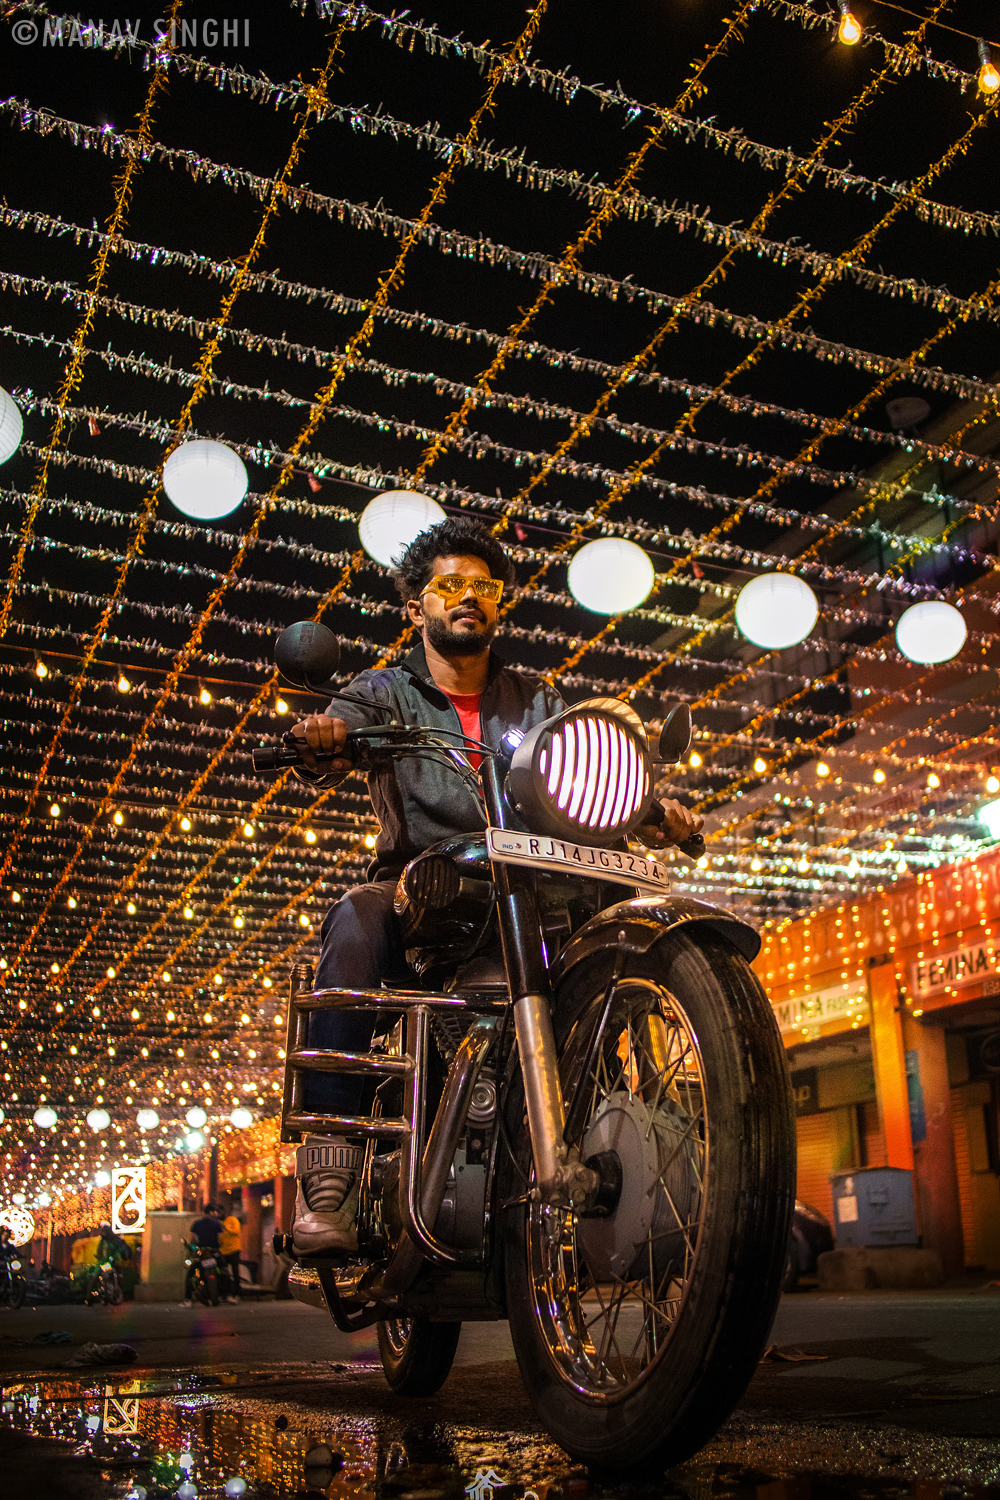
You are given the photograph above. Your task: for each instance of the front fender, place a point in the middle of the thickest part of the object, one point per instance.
(636, 925)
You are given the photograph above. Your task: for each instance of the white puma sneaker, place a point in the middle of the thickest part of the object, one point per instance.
(327, 1169)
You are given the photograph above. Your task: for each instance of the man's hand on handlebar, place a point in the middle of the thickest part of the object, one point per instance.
(320, 736)
(677, 826)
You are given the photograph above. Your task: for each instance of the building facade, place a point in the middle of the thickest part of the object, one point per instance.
(889, 1009)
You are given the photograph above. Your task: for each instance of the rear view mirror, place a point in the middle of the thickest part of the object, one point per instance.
(307, 655)
(675, 736)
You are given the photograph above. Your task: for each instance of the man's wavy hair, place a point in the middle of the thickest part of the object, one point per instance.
(454, 537)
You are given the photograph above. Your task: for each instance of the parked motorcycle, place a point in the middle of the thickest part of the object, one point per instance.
(49, 1288)
(205, 1275)
(13, 1289)
(584, 1121)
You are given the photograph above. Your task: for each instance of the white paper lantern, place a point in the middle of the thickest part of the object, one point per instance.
(776, 610)
(610, 576)
(194, 1140)
(235, 1486)
(196, 1116)
(147, 1119)
(391, 521)
(45, 1117)
(241, 1118)
(11, 426)
(102, 1179)
(205, 480)
(98, 1119)
(930, 632)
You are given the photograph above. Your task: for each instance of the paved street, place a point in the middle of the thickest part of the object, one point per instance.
(907, 1389)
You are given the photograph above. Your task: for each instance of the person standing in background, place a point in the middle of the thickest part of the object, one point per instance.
(230, 1247)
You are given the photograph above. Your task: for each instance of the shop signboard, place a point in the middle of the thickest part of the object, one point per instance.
(952, 968)
(839, 1002)
(805, 1091)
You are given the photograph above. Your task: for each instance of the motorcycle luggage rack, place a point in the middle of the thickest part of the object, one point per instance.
(300, 1058)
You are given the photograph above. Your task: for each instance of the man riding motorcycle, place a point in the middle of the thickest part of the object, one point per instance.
(451, 580)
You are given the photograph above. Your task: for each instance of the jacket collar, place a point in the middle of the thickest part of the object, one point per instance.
(415, 663)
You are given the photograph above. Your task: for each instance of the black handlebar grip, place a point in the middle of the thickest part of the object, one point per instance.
(694, 847)
(270, 757)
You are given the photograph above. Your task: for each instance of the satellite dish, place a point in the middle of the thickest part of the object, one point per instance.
(907, 411)
(675, 736)
(307, 655)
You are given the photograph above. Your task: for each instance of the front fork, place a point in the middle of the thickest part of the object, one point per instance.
(561, 1178)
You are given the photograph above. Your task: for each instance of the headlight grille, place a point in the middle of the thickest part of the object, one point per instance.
(583, 775)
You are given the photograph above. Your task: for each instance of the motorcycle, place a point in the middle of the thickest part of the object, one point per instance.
(13, 1288)
(205, 1276)
(582, 1118)
(104, 1287)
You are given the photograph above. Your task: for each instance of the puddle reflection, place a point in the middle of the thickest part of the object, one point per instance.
(207, 1436)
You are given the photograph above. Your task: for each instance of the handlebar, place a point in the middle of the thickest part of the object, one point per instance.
(273, 757)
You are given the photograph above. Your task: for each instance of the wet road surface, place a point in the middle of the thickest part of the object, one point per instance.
(898, 1394)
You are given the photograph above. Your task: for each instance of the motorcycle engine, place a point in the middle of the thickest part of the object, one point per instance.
(653, 1147)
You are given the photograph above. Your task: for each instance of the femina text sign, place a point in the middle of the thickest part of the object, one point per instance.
(949, 968)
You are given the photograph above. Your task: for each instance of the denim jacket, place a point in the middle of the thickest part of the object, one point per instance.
(418, 799)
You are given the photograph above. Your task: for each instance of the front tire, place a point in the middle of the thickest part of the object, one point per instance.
(417, 1355)
(17, 1293)
(637, 1334)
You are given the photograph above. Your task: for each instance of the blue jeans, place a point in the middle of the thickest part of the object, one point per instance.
(361, 946)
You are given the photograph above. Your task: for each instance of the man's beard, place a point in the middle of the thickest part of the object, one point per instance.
(449, 643)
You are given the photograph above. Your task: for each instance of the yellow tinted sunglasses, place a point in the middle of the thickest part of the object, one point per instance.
(451, 586)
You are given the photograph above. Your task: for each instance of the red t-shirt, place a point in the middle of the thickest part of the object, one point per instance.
(467, 708)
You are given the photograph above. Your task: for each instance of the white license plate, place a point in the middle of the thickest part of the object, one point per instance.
(577, 859)
(208, 1265)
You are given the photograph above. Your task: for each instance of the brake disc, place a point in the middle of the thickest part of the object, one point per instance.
(659, 1152)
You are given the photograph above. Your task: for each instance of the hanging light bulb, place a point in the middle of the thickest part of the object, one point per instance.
(930, 632)
(611, 576)
(776, 610)
(41, 670)
(280, 706)
(394, 519)
(11, 426)
(205, 479)
(241, 1118)
(147, 1119)
(196, 1117)
(45, 1117)
(98, 1119)
(989, 78)
(205, 697)
(850, 28)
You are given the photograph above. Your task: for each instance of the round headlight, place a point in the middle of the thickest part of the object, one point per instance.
(584, 774)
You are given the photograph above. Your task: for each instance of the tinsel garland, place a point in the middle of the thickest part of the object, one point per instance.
(692, 545)
(435, 327)
(533, 263)
(388, 285)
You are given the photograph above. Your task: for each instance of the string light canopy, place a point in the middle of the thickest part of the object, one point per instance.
(543, 330)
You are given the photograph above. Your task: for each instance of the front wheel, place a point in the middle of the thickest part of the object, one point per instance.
(636, 1333)
(17, 1293)
(417, 1355)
